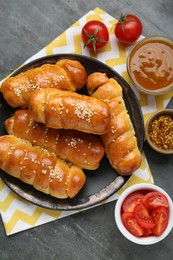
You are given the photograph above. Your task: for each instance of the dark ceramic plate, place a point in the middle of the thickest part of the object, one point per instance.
(101, 183)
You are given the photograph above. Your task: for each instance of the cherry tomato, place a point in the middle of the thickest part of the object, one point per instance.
(128, 29)
(95, 35)
(131, 224)
(142, 216)
(160, 219)
(131, 201)
(155, 199)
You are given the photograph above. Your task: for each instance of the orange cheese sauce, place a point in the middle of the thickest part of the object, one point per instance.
(151, 65)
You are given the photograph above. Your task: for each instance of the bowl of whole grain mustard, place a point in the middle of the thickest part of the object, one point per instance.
(159, 131)
(150, 65)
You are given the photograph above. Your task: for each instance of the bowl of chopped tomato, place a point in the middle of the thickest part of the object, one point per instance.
(144, 213)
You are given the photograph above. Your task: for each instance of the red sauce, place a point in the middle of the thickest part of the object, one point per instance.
(151, 65)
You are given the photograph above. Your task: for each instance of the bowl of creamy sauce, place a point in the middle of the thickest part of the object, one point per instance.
(150, 65)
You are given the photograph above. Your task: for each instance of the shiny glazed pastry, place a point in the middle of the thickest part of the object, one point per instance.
(39, 168)
(82, 149)
(65, 75)
(68, 110)
(120, 141)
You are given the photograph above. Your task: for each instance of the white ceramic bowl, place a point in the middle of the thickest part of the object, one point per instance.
(142, 240)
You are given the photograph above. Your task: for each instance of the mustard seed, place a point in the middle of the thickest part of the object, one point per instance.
(161, 132)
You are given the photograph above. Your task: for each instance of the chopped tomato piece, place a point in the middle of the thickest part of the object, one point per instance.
(142, 216)
(131, 201)
(131, 224)
(147, 232)
(160, 219)
(155, 199)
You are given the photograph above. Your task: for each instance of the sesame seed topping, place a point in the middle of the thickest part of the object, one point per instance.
(83, 112)
(57, 173)
(113, 130)
(17, 92)
(74, 142)
(58, 79)
(44, 172)
(57, 138)
(89, 145)
(10, 151)
(53, 108)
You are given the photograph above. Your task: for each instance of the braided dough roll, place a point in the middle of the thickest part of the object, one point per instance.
(69, 110)
(120, 141)
(82, 149)
(65, 75)
(38, 167)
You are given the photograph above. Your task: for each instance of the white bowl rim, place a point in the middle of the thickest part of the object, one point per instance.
(117, 214)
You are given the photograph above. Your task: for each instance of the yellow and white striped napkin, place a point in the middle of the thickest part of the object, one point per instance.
(18, 214)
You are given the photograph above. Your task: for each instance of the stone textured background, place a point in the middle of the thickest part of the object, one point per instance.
(26, 27)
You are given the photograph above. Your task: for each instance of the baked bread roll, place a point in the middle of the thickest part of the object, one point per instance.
(120, 141)
(38, 167)
(68, 110)
(82, 149)
(65, 75)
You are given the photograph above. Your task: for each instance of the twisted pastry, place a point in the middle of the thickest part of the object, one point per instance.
(39, 168)
(69, 110)
(82, 149)
(120, 141)
(65, 75)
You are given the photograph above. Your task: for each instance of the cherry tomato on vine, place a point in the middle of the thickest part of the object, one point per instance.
(128, 28)
(95, 35)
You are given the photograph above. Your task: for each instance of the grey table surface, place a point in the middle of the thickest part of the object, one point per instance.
(27, 26)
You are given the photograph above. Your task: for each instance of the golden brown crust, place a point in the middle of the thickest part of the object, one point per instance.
(75, 71)
(69, 110)
(120, 141)
(82, 149)
(95, 80)
(75, 182)
(130, 162)
(36, 166)
(65, 75)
